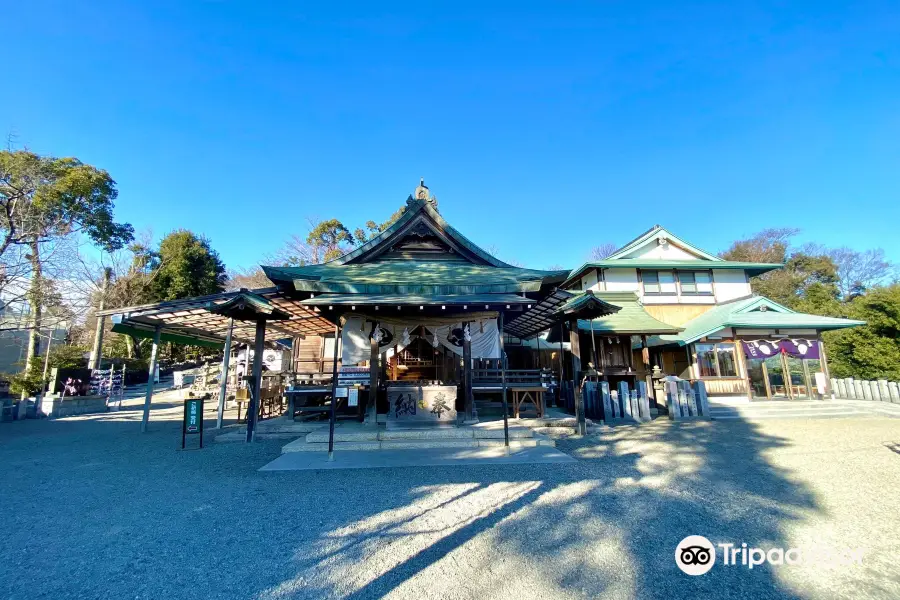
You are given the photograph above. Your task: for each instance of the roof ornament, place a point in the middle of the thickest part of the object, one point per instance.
(423, 194)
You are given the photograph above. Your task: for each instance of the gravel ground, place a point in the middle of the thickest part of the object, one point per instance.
(94, 509)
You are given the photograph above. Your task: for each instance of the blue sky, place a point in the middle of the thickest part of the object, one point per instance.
(543, 128)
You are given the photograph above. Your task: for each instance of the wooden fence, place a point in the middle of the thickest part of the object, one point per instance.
(880, 390)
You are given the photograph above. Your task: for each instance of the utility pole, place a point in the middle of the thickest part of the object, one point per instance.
(94, 363)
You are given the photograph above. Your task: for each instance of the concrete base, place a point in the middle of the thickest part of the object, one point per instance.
(54, 407)
(438, 457)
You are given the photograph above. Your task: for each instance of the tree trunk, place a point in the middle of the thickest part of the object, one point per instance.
(135, 350)
(35, 299)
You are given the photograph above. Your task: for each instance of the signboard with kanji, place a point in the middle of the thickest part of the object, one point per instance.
(193, 419)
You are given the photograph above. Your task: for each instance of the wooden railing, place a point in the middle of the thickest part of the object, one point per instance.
(492, 377)
(726, 387)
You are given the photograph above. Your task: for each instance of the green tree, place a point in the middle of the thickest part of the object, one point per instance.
(808, 281)
(873, 350)
(329, 240)
(188, 266)
(42, 200)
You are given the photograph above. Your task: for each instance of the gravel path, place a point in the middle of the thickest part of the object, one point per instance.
(94, 509)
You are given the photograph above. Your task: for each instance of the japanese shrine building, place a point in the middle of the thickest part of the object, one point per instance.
(420, 302)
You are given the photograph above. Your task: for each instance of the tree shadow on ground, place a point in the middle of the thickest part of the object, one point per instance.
(158, 522)
(607, 525)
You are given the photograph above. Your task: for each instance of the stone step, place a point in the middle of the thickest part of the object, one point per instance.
(479, 431)
(301, 445)
(319, 436)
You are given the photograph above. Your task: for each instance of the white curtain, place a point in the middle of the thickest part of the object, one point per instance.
(355, 338)
(485, 338)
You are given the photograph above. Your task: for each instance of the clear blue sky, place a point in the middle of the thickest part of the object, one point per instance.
(543, 128)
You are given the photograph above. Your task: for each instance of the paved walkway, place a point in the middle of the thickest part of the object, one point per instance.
(804, 409)
(428, 457)
(95, 509)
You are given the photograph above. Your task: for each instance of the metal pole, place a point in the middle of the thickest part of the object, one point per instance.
(154, 354)
(334, 387)
(258, 349)
(503, 384)
(223, 384)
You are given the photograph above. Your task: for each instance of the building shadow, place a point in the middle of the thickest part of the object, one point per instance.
(607, 525)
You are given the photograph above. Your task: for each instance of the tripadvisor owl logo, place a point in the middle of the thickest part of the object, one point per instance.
(695, 555)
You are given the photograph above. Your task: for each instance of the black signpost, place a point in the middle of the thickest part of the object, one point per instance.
(193, 419)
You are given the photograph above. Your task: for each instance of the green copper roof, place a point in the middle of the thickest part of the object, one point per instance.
(477, 301)
(746, 313)
(246, 306)
(630, 319)
(413, 277)
(587, 304)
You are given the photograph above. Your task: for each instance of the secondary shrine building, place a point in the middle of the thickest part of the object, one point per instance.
(421, 307)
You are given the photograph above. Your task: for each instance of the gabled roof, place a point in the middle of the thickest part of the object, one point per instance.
(704, 259)
(655, 233)
(419, 212)
(467, 270)
(755, 312)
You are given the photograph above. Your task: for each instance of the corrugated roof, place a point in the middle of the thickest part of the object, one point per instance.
(746, 313)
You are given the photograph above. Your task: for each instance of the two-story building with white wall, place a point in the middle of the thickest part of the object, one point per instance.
(742, 345)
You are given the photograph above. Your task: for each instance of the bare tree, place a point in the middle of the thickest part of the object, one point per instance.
(767, 246)
(860, 271)
(602, 251)
(252, 278)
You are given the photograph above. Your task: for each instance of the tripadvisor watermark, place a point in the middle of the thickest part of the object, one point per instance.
(696, 555)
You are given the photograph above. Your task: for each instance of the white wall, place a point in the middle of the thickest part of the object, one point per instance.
(621, 280)
(730, 284)
(654, 250)
(589, 281)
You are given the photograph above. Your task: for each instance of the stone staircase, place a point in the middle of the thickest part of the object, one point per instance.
(356, 436)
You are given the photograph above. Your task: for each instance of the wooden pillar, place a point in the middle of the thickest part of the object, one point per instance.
(256, 382)
(334, 388)
(468, 395)
(223, 379)
(602, 351)
(580, 425)
(503, 383)
(690, 359)
(154, 356)
(828, 389)
(562, 334)
(372, 409)
(594, 347)
(648, 369)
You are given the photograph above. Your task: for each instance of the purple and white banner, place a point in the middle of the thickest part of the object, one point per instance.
(797, 348)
